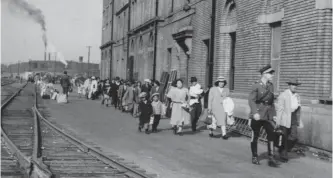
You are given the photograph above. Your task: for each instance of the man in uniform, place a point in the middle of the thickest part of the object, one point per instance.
(261, 101)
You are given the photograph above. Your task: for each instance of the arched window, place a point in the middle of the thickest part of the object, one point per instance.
(132, 46)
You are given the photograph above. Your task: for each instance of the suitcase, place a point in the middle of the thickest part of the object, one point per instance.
(61, 98)
(46, 97)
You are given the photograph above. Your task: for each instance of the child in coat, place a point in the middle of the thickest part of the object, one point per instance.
(145, 111)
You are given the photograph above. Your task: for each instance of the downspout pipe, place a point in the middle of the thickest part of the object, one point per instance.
(212, 43)
(128, 39)
(111, 47)
(155, 39)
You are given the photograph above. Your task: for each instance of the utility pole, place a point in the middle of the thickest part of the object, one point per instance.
(55, 64)
(88, 58)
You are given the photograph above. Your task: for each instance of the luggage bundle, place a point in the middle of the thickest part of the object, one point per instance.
(61, 98)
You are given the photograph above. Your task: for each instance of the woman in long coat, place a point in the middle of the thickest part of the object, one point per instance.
(128, 98)
(215, 104)
(179, 116)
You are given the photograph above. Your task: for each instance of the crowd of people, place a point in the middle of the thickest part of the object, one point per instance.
(184, 106)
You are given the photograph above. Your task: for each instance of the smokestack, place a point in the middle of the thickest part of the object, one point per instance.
(49, 56)
(45, 55)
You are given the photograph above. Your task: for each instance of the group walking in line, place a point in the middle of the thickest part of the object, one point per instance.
(187, 105)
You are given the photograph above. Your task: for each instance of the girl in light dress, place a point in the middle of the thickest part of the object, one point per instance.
(179, 116)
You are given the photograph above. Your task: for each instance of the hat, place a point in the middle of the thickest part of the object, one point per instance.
(293, 81)
(193, 79)
(267, 69)
(142, 94)
(93, 77)
(155, 94)
(220, 79)
(147, 80)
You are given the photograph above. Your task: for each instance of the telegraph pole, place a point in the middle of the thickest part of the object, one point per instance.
(88, 58)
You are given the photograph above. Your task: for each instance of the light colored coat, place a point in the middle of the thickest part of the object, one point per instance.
(129, 96)
(284, 114)
(215, 103)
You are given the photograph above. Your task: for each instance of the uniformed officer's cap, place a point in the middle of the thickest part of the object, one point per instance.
(267, 69)
(193, 79)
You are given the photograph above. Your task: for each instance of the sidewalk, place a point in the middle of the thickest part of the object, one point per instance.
(170, 156)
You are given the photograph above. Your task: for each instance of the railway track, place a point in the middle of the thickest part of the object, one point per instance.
(44, 150)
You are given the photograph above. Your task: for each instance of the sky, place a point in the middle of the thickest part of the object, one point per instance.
(72, 25)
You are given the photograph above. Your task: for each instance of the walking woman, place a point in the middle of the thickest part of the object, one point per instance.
(137, 91)
(179, 116)
(128, 98)
(215, 105)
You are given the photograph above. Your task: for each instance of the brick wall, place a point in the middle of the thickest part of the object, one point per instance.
(305, 43)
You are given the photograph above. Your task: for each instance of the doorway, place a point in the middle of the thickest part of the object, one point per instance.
(130, 67)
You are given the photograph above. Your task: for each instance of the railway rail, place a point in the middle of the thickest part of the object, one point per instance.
(41, 149)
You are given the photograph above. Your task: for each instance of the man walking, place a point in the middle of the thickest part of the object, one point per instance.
(261, 101)
(195, 92)
(65, 84)
(288, 117)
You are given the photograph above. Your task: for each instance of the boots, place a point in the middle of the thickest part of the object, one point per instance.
(271, 161)
(254, 153)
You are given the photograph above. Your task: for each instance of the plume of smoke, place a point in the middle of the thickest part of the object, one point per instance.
(51, 49)
(33, 12)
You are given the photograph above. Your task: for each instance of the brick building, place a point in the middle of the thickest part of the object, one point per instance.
(209, 38)
(56, 67)
(294, 36)
(232, 38)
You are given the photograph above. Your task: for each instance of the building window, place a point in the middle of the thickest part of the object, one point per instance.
(169, 59)
(276, 52)
(141, 43)
(232, 61)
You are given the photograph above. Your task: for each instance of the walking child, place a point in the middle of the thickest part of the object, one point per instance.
(145, 111)
(157, 111)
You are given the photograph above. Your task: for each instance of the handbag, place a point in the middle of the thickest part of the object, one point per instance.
(230, 120)
(209, 119)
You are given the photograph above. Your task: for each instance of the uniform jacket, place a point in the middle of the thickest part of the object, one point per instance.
(261, 94)
(285, 117)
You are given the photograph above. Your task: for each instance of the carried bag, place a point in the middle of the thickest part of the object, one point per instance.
(61, 98)
(151, 120)
(278, 138)
(209, 119)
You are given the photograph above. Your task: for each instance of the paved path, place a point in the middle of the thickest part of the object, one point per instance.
(169, 156)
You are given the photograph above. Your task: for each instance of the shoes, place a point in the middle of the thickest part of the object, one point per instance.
(211, 135)
(283, 159)
(139, 129)
(272, 162)
(225, 137)
(147, 131)
(255, 160)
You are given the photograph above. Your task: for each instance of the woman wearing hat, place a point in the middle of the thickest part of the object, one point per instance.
(179, 116)
(145, 112)
(288, 117)
(215, 104)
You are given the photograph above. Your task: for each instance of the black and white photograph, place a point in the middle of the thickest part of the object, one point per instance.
(166, 88)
